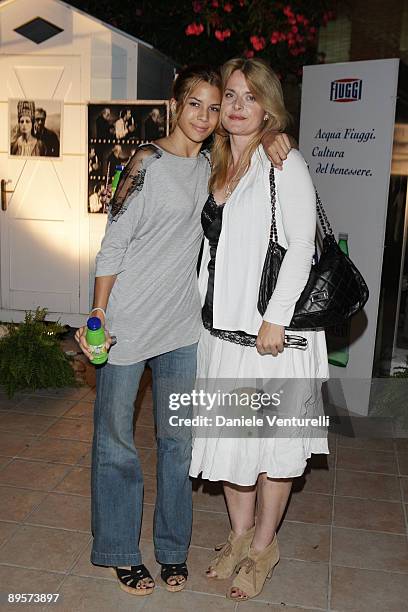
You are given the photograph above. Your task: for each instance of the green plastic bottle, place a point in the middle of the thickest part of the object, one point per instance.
(116, 177)
(338, 337)
(95, 336)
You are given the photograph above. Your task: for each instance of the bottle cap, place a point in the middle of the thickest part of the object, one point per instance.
(119, 167)
(94, 323)
(343, 236)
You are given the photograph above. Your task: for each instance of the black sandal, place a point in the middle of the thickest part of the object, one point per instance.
(170, 570)
(129, 579)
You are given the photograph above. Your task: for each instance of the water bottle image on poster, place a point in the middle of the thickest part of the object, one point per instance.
(115, 130)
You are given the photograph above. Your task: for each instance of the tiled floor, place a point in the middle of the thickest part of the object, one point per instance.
(343, 542)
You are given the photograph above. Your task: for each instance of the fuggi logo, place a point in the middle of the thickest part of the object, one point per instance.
(346, 90)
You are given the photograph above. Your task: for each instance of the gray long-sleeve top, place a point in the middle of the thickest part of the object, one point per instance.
(152, 247)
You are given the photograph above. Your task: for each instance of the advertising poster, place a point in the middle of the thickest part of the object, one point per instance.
(346, 135)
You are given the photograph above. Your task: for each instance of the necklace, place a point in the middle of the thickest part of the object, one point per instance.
(229, 187)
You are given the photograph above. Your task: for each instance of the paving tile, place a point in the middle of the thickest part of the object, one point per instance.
(369, 461)
(297, 583)
(209, 528)
(144, 416)
(359, 484)
(72, 393)
(198, 561)
(84, 567)
(73, 429)
(149, 488)
(21, 580)
(401, 444)
(403, 463)
(372, 444)
(90, 594)
(8, 403)
(33, 474)
(147, 522)
(87, 460)
(357, 590)
(43, 548)
(370, 550)
(25, 424)
(315, 481)
(148, 460)
(11, 444)
(80, 410)
(368, 514)
(16, 504)
(63, 511)
(47, 406)
(310, 508)
(4, 461)
(186, 601)
(56, 450)
(6, 531)
(259, 606)
(77, 481)
(304, 542)
(208, 496)
(145, 437)
(90, 395)
(404, 483)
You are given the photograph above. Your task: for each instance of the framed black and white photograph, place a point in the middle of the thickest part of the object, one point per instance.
(115, 130)
(35, 128)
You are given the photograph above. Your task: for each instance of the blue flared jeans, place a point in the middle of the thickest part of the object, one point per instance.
(117, 479)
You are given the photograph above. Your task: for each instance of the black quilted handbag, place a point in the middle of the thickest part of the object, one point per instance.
(335, 289)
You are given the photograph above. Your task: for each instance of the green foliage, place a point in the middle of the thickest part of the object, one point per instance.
(31, 356)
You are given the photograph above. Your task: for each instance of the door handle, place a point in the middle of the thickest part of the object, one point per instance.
(4, 192)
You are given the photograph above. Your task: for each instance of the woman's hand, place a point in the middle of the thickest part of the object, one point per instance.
(277, 147)
(270, 338)
(80, 337)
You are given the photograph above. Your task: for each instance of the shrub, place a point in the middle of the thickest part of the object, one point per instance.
(31, 356)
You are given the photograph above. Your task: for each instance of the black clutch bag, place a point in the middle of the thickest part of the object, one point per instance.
(335, 289)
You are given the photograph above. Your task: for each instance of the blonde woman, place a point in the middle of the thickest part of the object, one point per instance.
(257, 472)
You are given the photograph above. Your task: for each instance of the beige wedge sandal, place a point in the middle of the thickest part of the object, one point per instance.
(230, 554)
(254, 570)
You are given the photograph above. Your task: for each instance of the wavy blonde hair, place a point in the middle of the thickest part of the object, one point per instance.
(265, 86)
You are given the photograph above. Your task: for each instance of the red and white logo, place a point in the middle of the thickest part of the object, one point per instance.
(346, 90)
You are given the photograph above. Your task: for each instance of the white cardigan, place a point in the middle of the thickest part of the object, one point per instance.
(244, 240)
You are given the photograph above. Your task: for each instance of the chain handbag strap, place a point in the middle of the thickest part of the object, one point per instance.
(321, 213)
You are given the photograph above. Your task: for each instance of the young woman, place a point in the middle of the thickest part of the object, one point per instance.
(26, 143)
(257, 471)
(146, 281)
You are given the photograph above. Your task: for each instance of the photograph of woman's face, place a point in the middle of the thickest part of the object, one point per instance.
(25, 124)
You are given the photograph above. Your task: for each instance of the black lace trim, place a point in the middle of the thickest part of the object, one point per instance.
(135, 184)
(237, 337)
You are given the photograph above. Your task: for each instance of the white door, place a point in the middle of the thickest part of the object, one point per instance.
(40, 226)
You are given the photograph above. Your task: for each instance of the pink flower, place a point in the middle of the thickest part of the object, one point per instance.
(228, 7)
(221, 35)
(214, 3)
(258, 42)
(249, 53)
(194, 29)
(197, 6)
